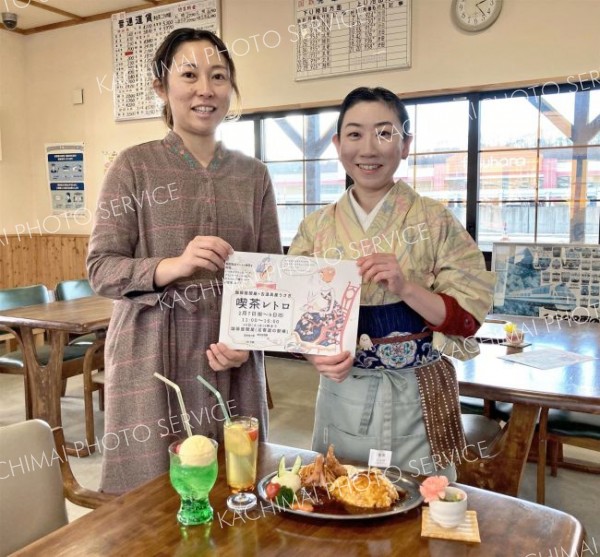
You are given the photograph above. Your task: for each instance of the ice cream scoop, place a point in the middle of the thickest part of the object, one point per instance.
(197, 450)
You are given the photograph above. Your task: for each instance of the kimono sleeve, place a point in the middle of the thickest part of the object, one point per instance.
(304, 240)
(460, 272)
(113, 268)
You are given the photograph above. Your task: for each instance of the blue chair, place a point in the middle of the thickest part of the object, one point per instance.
(564, 427)
(14, 361)
(72, 290)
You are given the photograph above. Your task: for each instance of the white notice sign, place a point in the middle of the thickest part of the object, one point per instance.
(289, 304)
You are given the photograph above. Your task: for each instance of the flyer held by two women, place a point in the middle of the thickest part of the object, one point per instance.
(290, 304)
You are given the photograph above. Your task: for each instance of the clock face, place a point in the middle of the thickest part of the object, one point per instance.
(475, 15)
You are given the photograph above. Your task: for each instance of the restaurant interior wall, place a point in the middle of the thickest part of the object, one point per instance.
(16, 191)
(47, 67)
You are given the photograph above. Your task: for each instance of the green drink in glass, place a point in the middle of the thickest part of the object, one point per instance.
(193, 472)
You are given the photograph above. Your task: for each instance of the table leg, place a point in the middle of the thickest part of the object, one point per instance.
(44, 382)
(502, 468)
(542, 450)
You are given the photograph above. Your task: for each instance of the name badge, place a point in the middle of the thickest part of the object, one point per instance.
(380, 459)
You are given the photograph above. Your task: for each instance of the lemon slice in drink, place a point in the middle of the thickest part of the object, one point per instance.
(237, 440)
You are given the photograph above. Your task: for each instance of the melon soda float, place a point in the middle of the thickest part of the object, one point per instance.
(193, 469)
(193, 473)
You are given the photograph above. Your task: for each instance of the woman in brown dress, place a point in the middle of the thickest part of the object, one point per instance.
(170, 212)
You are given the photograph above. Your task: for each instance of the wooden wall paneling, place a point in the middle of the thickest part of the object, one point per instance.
(46, 259)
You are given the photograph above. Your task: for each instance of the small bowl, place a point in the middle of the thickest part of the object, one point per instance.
(449, 514)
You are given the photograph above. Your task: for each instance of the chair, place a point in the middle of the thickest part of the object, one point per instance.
(72, 290)
(488, 408)
(500, 466)
(13, 362)
(563, 427)
(35, 478)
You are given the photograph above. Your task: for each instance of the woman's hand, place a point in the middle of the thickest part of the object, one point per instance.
(383, 268)
(203, 252)
(221, 357)
(334, 367)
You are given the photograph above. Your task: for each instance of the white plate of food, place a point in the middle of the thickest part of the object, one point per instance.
(350, 494)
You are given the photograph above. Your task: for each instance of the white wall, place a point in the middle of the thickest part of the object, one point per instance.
(16, 186)
(533, 40)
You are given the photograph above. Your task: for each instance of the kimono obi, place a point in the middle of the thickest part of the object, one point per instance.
(393, 336)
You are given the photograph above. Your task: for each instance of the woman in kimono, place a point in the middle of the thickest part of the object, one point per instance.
(170, 212)
(425, 289)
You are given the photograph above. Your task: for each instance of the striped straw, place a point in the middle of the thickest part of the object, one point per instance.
(186, 420)
(218, 395)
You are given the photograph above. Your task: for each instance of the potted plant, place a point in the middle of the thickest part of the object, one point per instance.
(514, 335)
(447, 505)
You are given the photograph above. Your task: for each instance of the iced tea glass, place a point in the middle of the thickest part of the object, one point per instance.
(241, 450)
(193, 484)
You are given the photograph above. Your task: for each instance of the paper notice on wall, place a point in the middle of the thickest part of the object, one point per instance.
(65, 171)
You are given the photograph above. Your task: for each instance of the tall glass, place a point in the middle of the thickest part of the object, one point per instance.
(241, 450)
(193, 483)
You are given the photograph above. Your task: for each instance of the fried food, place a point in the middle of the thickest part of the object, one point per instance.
(332, 464)
(313, 475)
(368, 489)
(322, 471)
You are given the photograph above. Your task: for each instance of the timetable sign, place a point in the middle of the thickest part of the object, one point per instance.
(337, 37)
(136, 37)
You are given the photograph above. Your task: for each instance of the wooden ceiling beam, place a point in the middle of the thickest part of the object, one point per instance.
(90, 18)
(54, 10)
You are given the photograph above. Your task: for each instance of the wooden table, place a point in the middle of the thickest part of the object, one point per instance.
(59, 319)
(143, 522)
(575, 387)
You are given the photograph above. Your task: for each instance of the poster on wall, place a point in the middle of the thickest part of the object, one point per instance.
(289, 304)
(136, 36)
(65, 171)
(337, 37)
(547, 280)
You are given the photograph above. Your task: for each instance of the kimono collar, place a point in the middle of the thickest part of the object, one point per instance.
(175, 144)
(392, 211)
(363, 217)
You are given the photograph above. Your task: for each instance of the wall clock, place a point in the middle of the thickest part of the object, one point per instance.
(475, 15)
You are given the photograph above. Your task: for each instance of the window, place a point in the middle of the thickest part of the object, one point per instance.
(303, 164)
(511, 165)
(539, 168)
(437, 164)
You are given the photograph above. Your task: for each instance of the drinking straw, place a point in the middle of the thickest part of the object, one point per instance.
(186, 421)
(218, 395)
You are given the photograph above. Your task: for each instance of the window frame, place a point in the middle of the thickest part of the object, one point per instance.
(473, 148)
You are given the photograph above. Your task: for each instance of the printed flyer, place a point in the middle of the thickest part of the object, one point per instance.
(290, 304)
(65, 170)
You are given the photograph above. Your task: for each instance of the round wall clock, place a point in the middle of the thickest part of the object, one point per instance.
(475, 15)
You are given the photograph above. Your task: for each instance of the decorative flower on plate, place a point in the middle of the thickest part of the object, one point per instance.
(434, 488)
